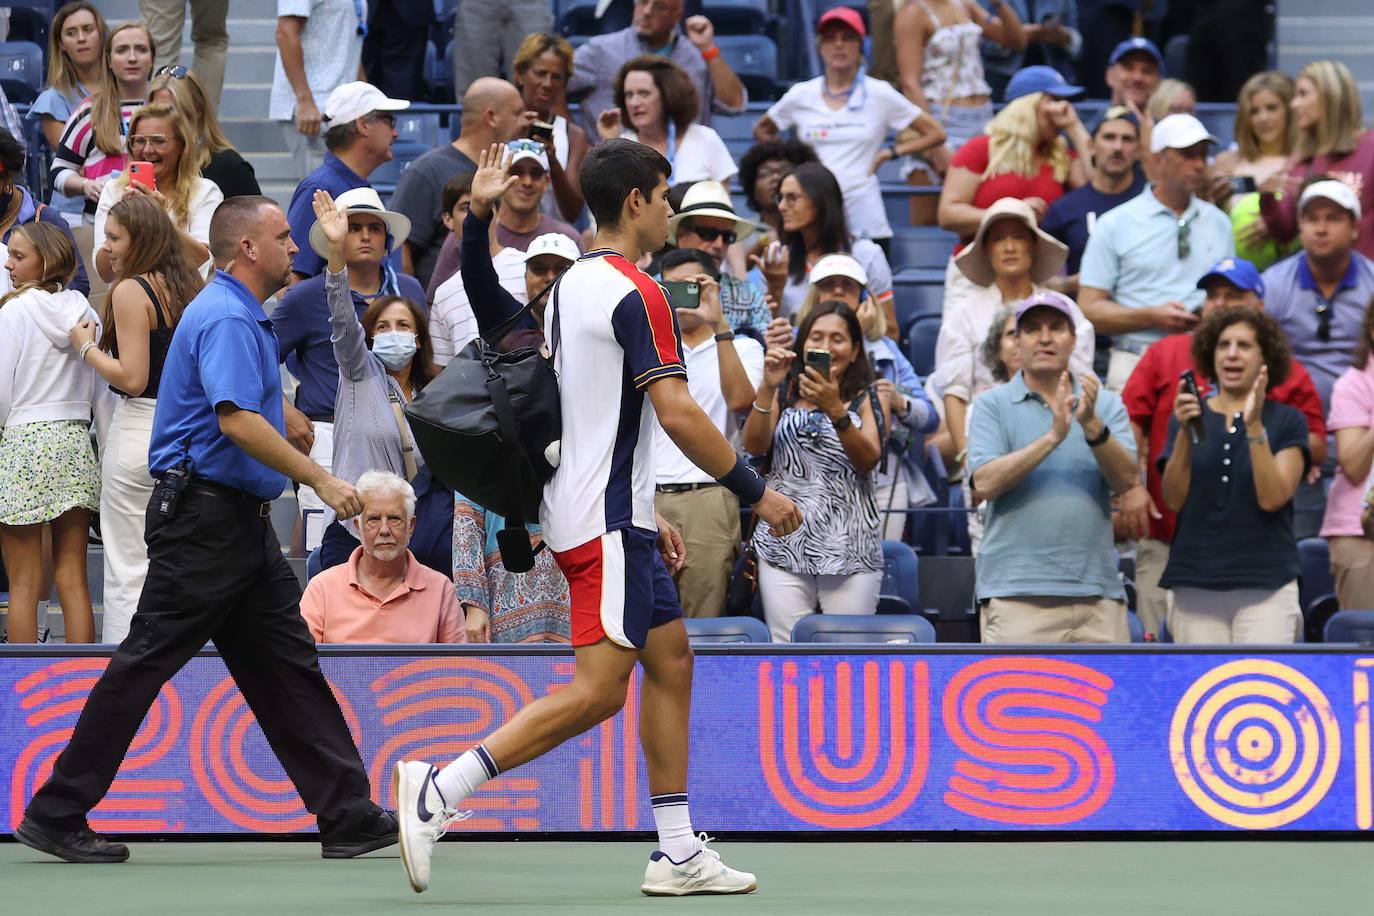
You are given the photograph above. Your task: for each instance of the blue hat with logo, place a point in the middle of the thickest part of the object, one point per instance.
(1041, 78)
(1133, 45)
(1239, 272)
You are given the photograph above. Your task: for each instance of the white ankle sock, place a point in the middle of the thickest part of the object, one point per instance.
(461, 778)
(674, 822)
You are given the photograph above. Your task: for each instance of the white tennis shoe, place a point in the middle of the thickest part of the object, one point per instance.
(424, 818)
(703, 873)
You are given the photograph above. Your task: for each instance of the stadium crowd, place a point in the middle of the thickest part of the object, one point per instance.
(1153, 342)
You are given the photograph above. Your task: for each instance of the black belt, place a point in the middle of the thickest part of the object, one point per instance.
(230, 494)
(684, 487)
(320, 417)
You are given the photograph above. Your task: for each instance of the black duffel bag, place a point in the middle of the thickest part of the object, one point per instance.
(489, 427)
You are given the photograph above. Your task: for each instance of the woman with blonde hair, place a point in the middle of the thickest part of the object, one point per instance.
(76, 47)
(541, 69)
(1266, 134)
(179, 88)
(91, 148)
(1035, 149)
(48, 474)
(1171, 97)
(154, 282)
(1331, 139)
(162, 136)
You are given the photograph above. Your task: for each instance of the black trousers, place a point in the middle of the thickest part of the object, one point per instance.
(394, 53)
(215, 572)
(1228, 44)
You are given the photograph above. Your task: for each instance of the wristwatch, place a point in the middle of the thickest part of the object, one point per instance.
(1102, 437)
(843, 423)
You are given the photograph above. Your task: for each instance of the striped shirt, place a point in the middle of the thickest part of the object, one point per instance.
(77, 153)
(617, 335)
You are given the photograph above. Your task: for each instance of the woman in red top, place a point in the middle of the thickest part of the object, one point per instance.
(1035, 149)
(1331, 140)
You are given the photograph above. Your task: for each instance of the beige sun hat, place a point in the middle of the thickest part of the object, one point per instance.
(1050, 253)
(708, 198)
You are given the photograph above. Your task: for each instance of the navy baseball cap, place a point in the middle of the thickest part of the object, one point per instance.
(1115, 113)
(1041, 78)
(1132, 45)
(1239, 272)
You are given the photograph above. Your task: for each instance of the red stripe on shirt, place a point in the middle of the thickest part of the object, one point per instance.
(656, 309)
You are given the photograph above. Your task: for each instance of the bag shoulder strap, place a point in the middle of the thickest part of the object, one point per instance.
(407, 445)
(496, 334)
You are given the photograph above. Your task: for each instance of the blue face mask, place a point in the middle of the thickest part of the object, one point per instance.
(394, 348)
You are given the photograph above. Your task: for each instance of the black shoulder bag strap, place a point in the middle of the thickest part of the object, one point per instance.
(496, 334)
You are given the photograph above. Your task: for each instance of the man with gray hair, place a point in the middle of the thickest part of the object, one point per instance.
(383, 594)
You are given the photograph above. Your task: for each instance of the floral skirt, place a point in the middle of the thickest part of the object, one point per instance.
(46, 469)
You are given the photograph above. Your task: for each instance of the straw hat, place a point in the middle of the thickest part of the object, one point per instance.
(1050, 253)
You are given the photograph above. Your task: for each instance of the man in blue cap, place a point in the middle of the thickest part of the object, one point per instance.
(1134, 71)
(1149, 398)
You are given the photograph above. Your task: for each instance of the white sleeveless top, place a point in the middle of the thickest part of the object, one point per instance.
(953, 67)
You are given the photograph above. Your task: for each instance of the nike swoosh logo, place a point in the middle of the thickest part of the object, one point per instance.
(420, 809)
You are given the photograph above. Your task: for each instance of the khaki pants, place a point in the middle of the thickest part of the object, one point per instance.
(1352, 564)
(1030, 619)
(708, 520)
(1120, 367)
(1251, 616)
(209, 33)
(1151, 602)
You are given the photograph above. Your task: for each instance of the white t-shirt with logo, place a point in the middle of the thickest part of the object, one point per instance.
(848, 140)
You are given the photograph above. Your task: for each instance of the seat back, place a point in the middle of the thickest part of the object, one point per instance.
(1350, 626)
(754, 58)
(1314, 572)
(21, 70)
(710, 630)
(924, 335)
(901, 574)
(891, 629)
(922, 246)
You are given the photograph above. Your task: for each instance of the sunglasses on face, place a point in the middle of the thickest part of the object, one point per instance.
(176, 72)
(388, 119)
(707, 234)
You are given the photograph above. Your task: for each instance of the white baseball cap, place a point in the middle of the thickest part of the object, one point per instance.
(351, 101)
(838, 265)
(1179, 131)
(1338, 192)
(554, 243)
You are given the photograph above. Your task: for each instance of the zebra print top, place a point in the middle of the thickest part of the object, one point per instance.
(839, 535)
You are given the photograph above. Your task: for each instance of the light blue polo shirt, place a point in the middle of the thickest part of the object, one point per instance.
(223, 350)
(1133, 255)
(1051, 534)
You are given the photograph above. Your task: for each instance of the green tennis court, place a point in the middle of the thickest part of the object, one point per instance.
(943, 879)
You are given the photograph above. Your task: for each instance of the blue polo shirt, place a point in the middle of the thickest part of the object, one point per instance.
(1051, 534)
(1133, 254)
(336, 178)
(223, 351)
(1292, 298)
(301, 323)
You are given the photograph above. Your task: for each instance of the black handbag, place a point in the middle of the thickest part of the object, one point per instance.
(489, 427)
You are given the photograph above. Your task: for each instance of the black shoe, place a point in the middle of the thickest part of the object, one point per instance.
(82, 845)
(378, 834)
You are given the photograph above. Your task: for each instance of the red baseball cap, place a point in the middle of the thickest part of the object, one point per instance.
(845, 15)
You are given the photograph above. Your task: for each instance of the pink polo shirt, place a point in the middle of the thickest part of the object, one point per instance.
(423, 608)
(1352, 406)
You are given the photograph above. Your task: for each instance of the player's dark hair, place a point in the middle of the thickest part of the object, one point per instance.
(614, 168)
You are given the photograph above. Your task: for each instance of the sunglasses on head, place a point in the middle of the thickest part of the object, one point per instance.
(707, 234)
(176, 72)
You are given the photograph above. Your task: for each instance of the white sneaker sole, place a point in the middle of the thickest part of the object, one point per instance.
(661, 890)
(405, 802)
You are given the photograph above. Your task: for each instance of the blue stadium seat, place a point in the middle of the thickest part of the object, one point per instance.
(891, 604)
(421, 128)
(1316, 615)
(916, 293)
(902, 574)
(846, 628)
(1349, 626)
(31, 20)
(922, 247)
(578, 17)
(1220, 119)
(711, 630)
(738, 17)
(924, 333)
(314, 564)
(754, 58)
(1314, 572)
(385, 176)
(735, 126)
(1136, 627)
(1176, 56)
(21, 70)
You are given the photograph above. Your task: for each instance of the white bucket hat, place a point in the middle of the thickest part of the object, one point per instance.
(708, 198)
(364, 200)
(1050, 253)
